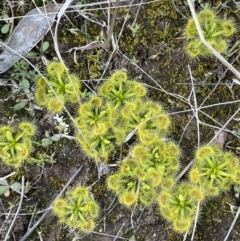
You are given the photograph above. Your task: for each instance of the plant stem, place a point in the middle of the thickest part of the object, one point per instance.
(16, 214)
(233, 223)
(110, 32)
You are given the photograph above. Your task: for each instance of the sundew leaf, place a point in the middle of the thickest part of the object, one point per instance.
(27, 34)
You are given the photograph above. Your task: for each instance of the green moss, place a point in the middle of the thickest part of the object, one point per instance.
(55, 183)
(160, 34)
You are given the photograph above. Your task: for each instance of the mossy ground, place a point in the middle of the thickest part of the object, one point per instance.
(158, 50)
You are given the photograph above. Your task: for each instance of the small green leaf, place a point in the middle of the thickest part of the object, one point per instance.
(5, 18)
(55, 137)
(16, 186)
(20, 105)
(236, 188)
(3, 189)
(5, 29)
(32, 112)
(32, 55)
(26, 91)
(25, 84)
(46, 141)
(45, 46)
(4, 182)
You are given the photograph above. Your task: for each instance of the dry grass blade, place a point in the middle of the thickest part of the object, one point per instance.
(27, 34)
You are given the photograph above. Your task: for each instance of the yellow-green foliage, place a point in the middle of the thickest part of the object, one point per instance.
(96, 138)
(179, 205)
(16, 143)
(60, 87)
(161, 155)
(141, 177)
(135, 183)
(214, 170)
(215, 31)
(107, 119)
(77, 210)
(111, 118)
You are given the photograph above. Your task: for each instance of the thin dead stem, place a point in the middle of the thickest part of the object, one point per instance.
(30, 230)
(16, 214)
(232, 225)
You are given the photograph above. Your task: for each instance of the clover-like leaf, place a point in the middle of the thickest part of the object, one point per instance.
(45, 46)
(4, 182)
(5, 29)
(16, 186)
(25, 84)
(3, 189)
(20, 105)
(55, 137)
(46, 141)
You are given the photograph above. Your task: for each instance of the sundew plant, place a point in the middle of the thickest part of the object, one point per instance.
(126, 126)
(215, 30)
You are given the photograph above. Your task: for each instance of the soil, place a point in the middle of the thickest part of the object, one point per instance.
(160, 34)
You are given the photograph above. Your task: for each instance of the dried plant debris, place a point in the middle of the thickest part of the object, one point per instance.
(27, 34)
